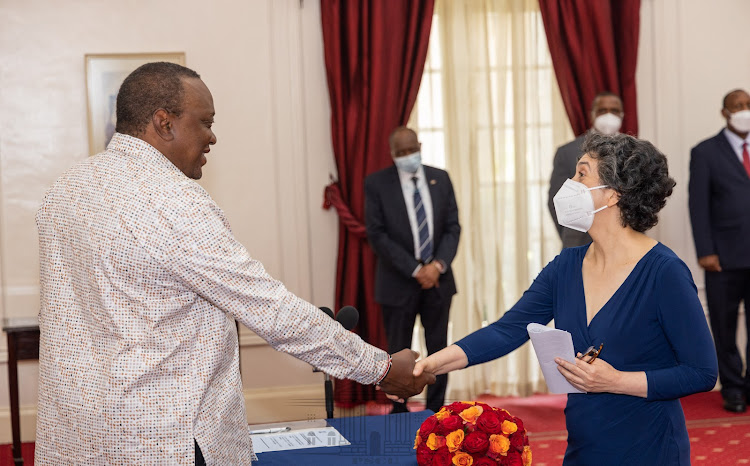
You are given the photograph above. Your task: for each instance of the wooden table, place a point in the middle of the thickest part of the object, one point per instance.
(23, 343)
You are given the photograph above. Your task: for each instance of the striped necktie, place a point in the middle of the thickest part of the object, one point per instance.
(746, 158)
(425, 243)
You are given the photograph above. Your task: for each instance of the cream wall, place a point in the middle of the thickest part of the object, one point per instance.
(263, 61)
(691, 54)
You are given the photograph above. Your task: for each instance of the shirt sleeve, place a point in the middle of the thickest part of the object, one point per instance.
(684, 323)
(509, 332)
(193, 240)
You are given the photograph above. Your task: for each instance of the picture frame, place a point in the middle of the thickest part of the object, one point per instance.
(104, 75)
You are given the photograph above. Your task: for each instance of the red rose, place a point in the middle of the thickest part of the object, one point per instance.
(428, 427)
(484, 461)
(518, 440)
(442, 457)
(504, 415)
(519, 423)
(424, 455)
(449, 424)
(476, 443)
(512, 459)
(457, 407)
(489, 422)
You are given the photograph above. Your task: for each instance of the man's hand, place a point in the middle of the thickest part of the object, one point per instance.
(710, 263)
(400, 381)
(428, 276)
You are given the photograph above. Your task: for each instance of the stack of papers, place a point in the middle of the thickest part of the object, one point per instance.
(297, 439)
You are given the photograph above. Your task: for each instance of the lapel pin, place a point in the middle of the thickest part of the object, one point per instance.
(433, 182)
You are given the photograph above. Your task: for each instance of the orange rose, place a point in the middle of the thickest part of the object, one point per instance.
(435, 441)
(509, 427)
(417, 440)
(454, 440)
(442, 414)
(463, 459)
(526, 456)
(471, 414)
(499, 444)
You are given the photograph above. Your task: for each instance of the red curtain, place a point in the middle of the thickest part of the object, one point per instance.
(374, 54)
(594, 48)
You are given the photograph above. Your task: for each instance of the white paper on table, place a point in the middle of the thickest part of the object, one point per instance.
(298, 439)
(551, 343)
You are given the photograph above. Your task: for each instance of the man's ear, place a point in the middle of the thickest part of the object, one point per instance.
(162, 124)
(725, 113)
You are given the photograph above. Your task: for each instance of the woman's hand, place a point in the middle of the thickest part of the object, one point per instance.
(600, 377)
(596, 377)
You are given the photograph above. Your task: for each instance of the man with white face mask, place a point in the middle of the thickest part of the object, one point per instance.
(412, 225)
(720, 214)
(606, 118)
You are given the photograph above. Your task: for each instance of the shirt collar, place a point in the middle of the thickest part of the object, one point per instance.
(734, 140)
(137, 147)
(406, 177)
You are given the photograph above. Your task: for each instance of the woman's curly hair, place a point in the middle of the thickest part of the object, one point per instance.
(637, 171)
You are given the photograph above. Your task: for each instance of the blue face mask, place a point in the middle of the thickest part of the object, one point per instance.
(409, 163)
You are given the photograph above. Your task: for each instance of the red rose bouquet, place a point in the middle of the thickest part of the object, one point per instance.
(472, 434)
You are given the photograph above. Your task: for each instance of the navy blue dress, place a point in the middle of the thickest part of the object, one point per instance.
(654, 323)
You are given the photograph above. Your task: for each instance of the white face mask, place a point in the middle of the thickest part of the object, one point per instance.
(409, 163)
(607, 124)
(574, 205)
(740, 121)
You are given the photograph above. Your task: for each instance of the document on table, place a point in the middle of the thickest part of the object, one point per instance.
(550, 343)
(298, 439)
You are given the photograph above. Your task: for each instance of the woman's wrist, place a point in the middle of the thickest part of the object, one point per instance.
(450, 359)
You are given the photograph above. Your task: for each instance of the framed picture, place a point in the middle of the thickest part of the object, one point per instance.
(104, 74)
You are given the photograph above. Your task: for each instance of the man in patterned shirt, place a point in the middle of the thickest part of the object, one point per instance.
(141, 283)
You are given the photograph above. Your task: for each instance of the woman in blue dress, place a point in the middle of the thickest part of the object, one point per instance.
(624, 290)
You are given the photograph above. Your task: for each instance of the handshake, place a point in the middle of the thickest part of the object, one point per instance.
(400, 382)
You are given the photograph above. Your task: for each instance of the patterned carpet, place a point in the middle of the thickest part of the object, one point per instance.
(717, 438)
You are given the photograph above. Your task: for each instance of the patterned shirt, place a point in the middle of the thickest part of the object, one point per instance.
(141, 281)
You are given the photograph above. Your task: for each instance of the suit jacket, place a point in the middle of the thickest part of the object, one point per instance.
(391, 238)
(564, 167)
(719, 199)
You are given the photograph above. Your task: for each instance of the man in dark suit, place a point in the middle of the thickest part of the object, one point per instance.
(719, 191)
(606, 118)
(412, 225)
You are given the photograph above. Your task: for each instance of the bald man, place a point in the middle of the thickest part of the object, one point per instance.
(412, 225)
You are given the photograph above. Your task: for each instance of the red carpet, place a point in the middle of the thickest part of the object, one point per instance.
(716, 436)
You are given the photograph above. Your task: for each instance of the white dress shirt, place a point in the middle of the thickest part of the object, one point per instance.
(736, 142)
(141, 281)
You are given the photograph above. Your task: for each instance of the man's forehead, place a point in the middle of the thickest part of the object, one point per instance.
(738, 96)
(197, 92)
(405, 136)
(608, 101)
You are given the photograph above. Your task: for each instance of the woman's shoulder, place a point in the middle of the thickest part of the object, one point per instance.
(573, 254)
(668, 263)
